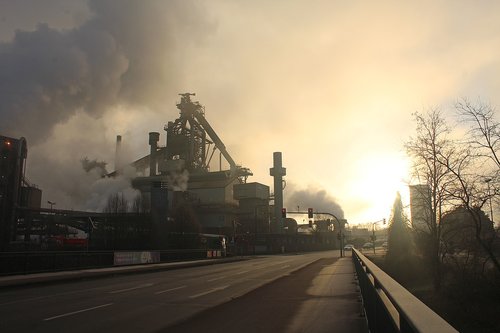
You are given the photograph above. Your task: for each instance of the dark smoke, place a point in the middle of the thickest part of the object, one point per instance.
(99, 166)
(128, 52)
(315, 198)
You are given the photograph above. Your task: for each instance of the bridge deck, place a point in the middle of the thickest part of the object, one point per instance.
(323, 297)
(333, 303)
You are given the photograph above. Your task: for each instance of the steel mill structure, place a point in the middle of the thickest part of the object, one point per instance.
(191, 191)
(179, 173)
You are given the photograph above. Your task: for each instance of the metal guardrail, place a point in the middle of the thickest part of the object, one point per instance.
(391, 308)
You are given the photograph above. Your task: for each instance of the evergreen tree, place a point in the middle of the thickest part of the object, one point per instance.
(399, 238)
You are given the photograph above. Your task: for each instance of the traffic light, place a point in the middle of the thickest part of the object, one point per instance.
(310, 223)
(310, 213)
(283, 213)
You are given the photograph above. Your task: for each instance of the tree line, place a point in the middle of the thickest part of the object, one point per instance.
(456, 167)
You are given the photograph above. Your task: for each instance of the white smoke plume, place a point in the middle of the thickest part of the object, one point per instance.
(101, 189)
(178, 180)
(127, 54)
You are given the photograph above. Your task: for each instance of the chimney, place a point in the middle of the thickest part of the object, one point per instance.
(118, 163)
(277, 171)
(154, 137)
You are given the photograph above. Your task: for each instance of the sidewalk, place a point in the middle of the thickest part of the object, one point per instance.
(320, 298)
(333, 303)
(37, 278)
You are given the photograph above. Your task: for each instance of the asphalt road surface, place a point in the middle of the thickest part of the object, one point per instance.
(313, 292)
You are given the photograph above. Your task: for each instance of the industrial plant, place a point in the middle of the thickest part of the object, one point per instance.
(192, 195)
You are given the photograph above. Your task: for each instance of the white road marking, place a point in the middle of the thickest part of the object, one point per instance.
(53, 295)
(171, 289)
(209, 291)
(267, 265)
(242, 272)
(130, 289)
(215, 279)
(79, 311)
(286, 266)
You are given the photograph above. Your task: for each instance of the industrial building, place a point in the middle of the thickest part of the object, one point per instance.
(15, 191)
(190, 186)
(180, 173)
(420, 207)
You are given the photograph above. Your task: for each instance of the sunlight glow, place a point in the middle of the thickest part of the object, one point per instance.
(378, 179)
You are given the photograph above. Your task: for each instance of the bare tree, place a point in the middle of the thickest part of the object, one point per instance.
(427, 150)
(116, 203)
(457, 173)
(484, 131)
(139, 204)
(476, 168)
(484, 138)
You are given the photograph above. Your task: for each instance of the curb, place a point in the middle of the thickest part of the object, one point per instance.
(44, 278)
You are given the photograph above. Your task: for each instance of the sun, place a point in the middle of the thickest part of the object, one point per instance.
(377, 179)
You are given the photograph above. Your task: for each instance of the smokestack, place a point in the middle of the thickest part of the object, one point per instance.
(277, 171)
(118, 152)
(154, 137)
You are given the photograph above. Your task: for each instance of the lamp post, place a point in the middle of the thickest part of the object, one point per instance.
(373, 232)
(341, 225)
(51, 204)
(488, 180)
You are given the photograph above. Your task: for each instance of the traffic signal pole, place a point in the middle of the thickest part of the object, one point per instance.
(310, 212)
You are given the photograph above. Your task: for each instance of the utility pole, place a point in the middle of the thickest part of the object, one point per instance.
(373, 233)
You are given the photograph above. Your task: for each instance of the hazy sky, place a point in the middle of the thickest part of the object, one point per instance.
(331, 84)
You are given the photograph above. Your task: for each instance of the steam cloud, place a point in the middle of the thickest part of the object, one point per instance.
(178, 181)
(127, 53)
(102, 188)
(316, 198)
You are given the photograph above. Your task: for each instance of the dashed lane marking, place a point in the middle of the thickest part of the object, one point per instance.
(171, 289)
(76, 312)
(209, 291)
(130, 289)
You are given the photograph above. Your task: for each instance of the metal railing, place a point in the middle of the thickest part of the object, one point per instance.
(391, 308)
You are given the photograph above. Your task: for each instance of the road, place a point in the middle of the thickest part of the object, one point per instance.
(154, 302)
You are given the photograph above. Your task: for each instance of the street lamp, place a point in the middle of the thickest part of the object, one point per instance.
(341, 225)
(342, 236)
(51, 204)
(373, 232)
(488, 180)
